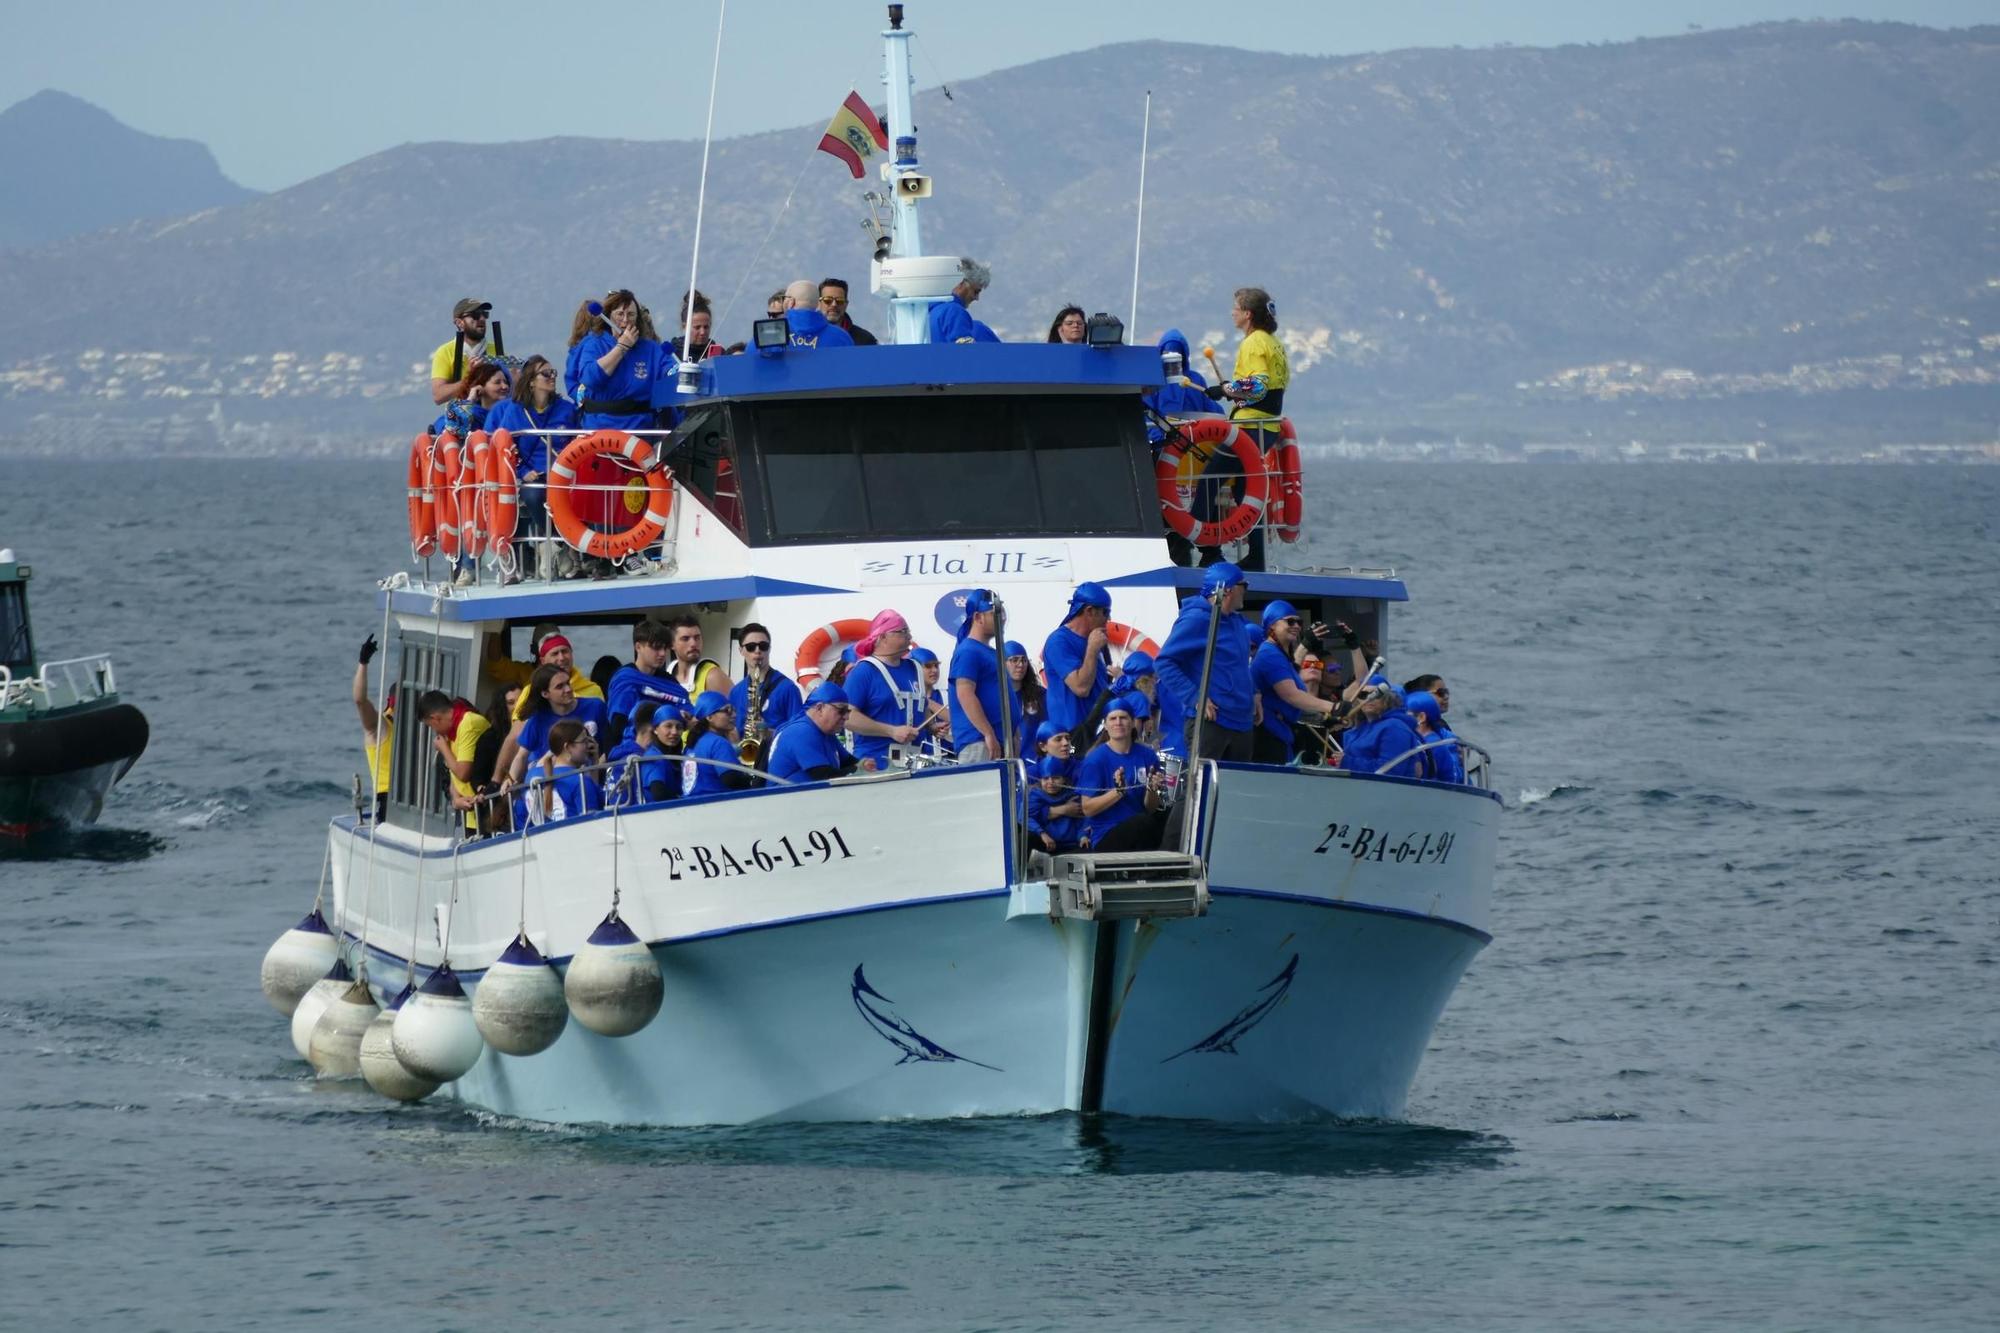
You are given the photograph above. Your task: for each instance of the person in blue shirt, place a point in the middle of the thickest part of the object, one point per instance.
(1052, 742)
(1444, 763)
(809, 326)
(1076, 658)
(1055, 813)
(1234, 707)
(1184, 394)
(1284, 695)
(553, 700)
(639, 772)
(807, 750)
(949, 321)
(714, 740)
(536, 406)
(1384, 733)
(778, 697)
(1122, 787)
(644, 678)
(569, 791)
(975, 685)
(886, 693)
(937, 725)
(622, 368)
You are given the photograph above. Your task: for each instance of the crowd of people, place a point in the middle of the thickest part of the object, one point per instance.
(618, 373)
(1103, 740)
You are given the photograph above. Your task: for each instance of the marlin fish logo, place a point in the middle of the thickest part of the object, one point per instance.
(1222, 1041)
(898, 1033)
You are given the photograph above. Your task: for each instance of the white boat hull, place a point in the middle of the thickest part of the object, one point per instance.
(909, 978)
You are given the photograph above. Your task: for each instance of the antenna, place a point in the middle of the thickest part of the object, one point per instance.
(1145, 131)
(689, 374)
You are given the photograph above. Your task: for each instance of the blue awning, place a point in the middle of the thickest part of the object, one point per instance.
(1266, 585)
(552, 601)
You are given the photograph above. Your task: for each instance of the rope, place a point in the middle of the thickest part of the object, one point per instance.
(701, 191)
(451, 913)
(325, 864)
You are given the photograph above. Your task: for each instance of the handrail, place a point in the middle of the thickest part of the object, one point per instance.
(1486, 759)
(83, 678)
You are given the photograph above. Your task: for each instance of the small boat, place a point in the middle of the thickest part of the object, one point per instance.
(886, 944)
(65, 737)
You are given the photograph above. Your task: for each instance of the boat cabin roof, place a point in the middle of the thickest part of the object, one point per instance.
(932, 368)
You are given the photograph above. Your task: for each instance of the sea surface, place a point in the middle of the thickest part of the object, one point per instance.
(1731, 1061)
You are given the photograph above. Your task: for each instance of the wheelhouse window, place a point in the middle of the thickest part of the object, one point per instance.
(948, 465)
(703, 456)
(17, 653)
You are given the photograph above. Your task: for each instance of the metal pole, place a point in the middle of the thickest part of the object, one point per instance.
(1201, 706)
(1146, 129)
(1006, 685)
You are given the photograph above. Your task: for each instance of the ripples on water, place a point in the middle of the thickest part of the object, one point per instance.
(1731, 1060)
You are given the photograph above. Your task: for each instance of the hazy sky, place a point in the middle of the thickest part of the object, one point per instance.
(283, 91)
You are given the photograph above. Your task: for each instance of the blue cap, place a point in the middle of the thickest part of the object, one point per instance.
(847, 655)
(1136, 664)
(1052, 767)
(1135, 703)
(1047, 732)
(826, 692)
(1279, 610)
(1123, 704)
(1423, 701)
(1087, 594)
(710, 703)
(1220, 575)
(1014, 649)
(979, 599)
(923, 657)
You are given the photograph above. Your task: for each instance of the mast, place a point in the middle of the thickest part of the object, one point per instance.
(909, 314)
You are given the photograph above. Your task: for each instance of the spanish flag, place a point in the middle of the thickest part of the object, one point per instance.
(854, 134)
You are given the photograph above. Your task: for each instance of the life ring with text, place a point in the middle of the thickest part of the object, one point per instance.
(423, 499)
(1288, 510)
(632, 452)
(444, 479)
(1203, 436)
(827, 639)
(500, 489)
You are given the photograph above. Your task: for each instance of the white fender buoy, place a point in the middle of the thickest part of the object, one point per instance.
(379, 1065)
(297, 959)
(435, 1036)
(519, 1004)
(305, 1017)
(614, 986)
(335, 1049)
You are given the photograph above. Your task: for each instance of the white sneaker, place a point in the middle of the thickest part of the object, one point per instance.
(464, 579)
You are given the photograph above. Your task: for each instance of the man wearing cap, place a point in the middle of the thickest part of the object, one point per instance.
(976, 685)
(1233, 708)
(806, 750)
(644, 678)
(885, 693)
(1284, 696)
(1121, 783)
(456, 356)
(1077, 661)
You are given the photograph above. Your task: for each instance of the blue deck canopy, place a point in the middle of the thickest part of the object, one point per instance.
(1187, 578)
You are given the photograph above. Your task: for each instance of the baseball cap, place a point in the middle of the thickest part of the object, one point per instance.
(470, 305)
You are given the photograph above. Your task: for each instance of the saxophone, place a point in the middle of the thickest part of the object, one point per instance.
(753, 723)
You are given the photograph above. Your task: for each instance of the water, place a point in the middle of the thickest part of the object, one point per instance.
(1731, 1061)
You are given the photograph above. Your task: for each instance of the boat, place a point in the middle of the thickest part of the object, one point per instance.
(883, 945)
(65, 736)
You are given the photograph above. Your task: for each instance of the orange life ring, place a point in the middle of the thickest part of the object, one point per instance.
(465, 494)
(423, 499)
(825, 639)
(1129, 640)
(500, 489)
(1288, 511)
(638, 454)
(444, 476)
(1202, 434)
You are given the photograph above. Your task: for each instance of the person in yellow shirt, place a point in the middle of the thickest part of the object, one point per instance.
(456, 728)
(551, 649)
(378, 732)
(469, 318)
(1260, 353)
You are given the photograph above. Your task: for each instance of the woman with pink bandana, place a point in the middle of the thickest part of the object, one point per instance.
(885, 693)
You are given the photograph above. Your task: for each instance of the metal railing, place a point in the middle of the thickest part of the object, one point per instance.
(1482, 767)
(62, 684)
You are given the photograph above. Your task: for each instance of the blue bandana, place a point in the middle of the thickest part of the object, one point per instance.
(979, 599)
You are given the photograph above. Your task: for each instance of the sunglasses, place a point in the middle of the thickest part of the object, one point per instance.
(546, 373)
(756, 647)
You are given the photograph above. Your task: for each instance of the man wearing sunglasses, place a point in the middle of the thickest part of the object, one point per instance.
(806, 751)
(833, 304)
(778, 695)
(1284, 693)
(451, 367)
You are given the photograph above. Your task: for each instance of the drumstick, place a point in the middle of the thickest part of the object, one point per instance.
(1214, 369)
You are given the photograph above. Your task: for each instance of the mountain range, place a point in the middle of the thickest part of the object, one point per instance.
(1795, 208)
